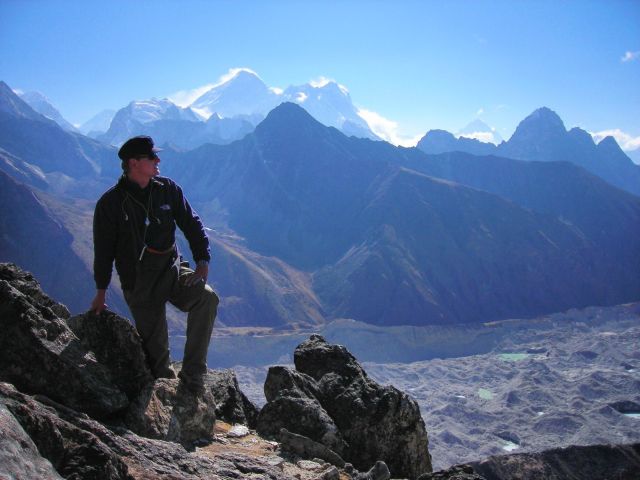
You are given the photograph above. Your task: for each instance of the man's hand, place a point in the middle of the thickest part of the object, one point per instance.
(200, 275)
(97, 304)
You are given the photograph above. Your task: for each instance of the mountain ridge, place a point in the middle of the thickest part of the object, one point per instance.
(542, 136)
(306, 194)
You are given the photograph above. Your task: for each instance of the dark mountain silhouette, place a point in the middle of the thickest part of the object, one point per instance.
(390, 245)
(542, 136)
(441, 141)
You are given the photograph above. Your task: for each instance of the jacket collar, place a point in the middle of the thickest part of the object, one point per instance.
(133, 187)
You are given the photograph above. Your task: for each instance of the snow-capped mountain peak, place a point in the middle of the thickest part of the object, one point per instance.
(479, 130)
(43, 106)
(241, 93)
(145, 111)
(330, 104)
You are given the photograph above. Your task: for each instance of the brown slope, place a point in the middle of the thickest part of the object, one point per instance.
(438, 252)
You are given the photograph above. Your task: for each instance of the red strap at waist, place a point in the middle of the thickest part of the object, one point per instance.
(161, 252)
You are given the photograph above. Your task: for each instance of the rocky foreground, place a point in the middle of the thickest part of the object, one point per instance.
(77, 401)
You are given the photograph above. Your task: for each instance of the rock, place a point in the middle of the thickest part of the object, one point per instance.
(376, 422)
(238, 431)
(116, 345)
(283, 382)
(79, 447)
(232, 405)
(19, 456)
(458, 472)
(164, 412)
(379, 471)
(331, 474)
(40, 354)
(306, 448)
(309, 465)
(26, 284)
(304, 416)
(595, 462)
(316, 358)
(73, 452)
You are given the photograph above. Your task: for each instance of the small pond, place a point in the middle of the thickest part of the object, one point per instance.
(509, 446)
(485, 394)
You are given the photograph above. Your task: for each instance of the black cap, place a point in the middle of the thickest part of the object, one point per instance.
(137, 146)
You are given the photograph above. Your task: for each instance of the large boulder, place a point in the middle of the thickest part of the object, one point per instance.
(117, 346)
(40, 354)
(372, 422)
(293, 405)
(232, 405)
(303, 416)
(164, 411)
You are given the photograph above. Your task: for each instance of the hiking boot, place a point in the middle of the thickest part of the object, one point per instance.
(166, 372)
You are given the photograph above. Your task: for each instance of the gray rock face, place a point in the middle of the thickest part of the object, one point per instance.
(19, 457)
(39, 353)
(74, 452)
(25, 283)
(331, 390)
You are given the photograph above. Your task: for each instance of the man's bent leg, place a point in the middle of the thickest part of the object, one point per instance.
(151, 324)
(202, 304)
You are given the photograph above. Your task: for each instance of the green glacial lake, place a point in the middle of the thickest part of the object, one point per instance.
(485, 394)
(632, 415)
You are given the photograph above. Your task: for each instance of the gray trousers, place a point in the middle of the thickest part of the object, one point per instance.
(161, 279)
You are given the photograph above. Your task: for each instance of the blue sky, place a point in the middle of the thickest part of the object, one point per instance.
(416, 64)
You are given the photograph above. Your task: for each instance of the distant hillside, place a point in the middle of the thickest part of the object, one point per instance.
(31, 237)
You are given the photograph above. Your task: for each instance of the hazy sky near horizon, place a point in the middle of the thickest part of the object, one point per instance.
(418, 65)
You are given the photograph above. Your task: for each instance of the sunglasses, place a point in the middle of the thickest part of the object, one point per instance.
(151, 156)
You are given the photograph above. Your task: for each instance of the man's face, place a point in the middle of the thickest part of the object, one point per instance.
(146, 165)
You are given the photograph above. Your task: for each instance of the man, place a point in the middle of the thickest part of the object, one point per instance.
(134, 224)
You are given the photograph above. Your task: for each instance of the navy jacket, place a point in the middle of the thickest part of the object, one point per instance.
(128, 217)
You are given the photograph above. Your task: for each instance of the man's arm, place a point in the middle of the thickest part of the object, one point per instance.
(191, 225)
(98, 303)
(189, 222)
(104, 250)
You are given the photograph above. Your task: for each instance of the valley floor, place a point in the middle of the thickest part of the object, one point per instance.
(565, 379)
